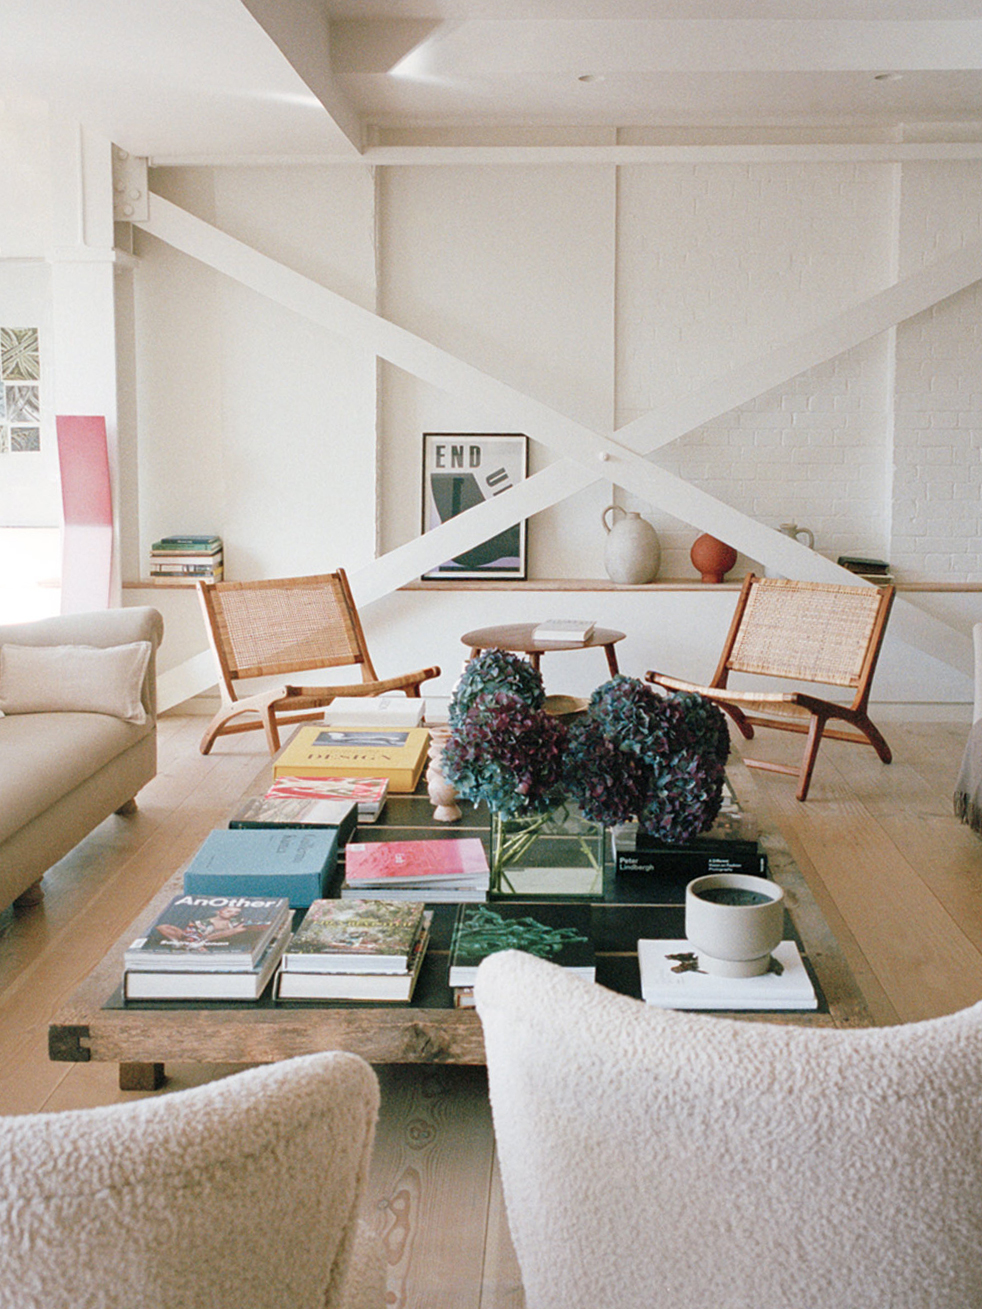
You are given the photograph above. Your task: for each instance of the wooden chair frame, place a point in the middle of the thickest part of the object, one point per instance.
(287, 625)
(803, 631)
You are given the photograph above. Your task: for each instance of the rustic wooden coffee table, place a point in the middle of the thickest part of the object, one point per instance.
(95, 1024)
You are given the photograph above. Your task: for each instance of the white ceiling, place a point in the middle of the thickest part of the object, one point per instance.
(303, 79)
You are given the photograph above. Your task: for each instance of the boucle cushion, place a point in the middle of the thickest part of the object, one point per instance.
(656, 1159)
(59, 678)
(241, 1194)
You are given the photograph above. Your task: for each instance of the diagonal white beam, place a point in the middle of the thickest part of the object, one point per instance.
(860, 322)
(619, 462)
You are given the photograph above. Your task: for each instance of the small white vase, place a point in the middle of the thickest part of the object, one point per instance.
(734, 921)
(632, 551)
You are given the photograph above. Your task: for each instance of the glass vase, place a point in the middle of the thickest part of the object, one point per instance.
(556, 853)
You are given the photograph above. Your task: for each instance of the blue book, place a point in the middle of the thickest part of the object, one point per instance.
(292, 862)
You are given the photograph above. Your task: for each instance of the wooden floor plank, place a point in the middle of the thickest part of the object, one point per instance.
(430, 1185)
(502, 1283)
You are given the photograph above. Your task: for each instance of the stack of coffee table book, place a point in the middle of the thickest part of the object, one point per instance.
(440, 869)
(208, 947)
(355, 950)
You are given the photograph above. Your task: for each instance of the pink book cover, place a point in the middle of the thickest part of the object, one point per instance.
(414, 861)
(366, 790)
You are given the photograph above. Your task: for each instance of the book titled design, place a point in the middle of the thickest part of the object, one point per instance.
(375, 711)
(215, 984)
(396, 753)
(355, 986)
(204, 932)
(291, 811)
(287, 861)
(670, 979)
(461, 860)
(563, 629)
(355, 936)
(559, 933)
(367, 792)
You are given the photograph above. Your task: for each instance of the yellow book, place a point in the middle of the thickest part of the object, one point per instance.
(335, 751)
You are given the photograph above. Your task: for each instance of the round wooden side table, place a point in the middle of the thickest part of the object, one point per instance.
(517, 637)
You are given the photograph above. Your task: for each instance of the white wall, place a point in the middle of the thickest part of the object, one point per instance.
(29, 486)
(600, 292)
(938, 478)
(511, 269)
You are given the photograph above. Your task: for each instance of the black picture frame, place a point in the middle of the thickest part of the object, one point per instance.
(460, 470)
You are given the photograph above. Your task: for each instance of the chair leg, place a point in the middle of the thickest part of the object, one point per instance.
(268, 715)
(745, 726)
(815, 729)
(876, 739)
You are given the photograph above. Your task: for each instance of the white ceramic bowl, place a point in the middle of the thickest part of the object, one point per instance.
(734, 921)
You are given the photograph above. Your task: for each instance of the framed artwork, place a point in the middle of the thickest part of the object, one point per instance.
(461, 470)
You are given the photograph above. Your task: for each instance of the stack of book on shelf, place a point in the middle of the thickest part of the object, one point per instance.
(355, 950)
(177, 560)
(398, 754)
(206, 947)
(375, 711)
(437, 870)
(563, 630)
(876, 571)
(293, 862)
(671, 978)
(367, 793)
(553, 931)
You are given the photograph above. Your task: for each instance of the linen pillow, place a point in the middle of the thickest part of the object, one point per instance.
(37, 679)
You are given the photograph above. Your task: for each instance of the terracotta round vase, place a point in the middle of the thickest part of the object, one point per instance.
(712, 559)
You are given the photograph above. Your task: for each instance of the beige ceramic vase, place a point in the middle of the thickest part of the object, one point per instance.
(632, 551)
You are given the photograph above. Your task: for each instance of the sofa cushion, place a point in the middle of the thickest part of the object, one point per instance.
(44, 756)
(86, 678)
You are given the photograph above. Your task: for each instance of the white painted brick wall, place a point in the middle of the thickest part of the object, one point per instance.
(937, 495)
(718, 264)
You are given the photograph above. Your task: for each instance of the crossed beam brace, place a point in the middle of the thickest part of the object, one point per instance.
(587, 456)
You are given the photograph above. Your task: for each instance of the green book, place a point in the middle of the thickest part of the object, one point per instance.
(559, 933)
(356, 936)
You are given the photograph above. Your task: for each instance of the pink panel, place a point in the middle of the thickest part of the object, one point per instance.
(87, 503)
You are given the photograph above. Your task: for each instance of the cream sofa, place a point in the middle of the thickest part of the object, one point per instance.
(73, 748)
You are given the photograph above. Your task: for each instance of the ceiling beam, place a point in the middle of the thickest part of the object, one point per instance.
(301, 32)
(747, 152)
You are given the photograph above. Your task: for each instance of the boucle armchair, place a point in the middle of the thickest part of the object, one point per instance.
(240, 1194)
(662, 1160)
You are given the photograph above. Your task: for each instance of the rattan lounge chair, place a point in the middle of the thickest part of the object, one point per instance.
(287, 625)
(805, 632)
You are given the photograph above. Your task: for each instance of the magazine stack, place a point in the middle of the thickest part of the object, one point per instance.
(440, 869)
(208, 947)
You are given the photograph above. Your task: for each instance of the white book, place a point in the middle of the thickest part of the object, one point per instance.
(563, 629)
(375, 711)
(429, 894)
(661, 986)
(353, 986)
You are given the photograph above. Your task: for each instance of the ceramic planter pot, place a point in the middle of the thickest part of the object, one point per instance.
(734, 921)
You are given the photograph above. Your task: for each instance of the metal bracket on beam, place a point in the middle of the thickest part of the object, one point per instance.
(131, 196)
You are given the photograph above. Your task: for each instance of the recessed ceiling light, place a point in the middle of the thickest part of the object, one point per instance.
(590, 77)
(887, 77)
